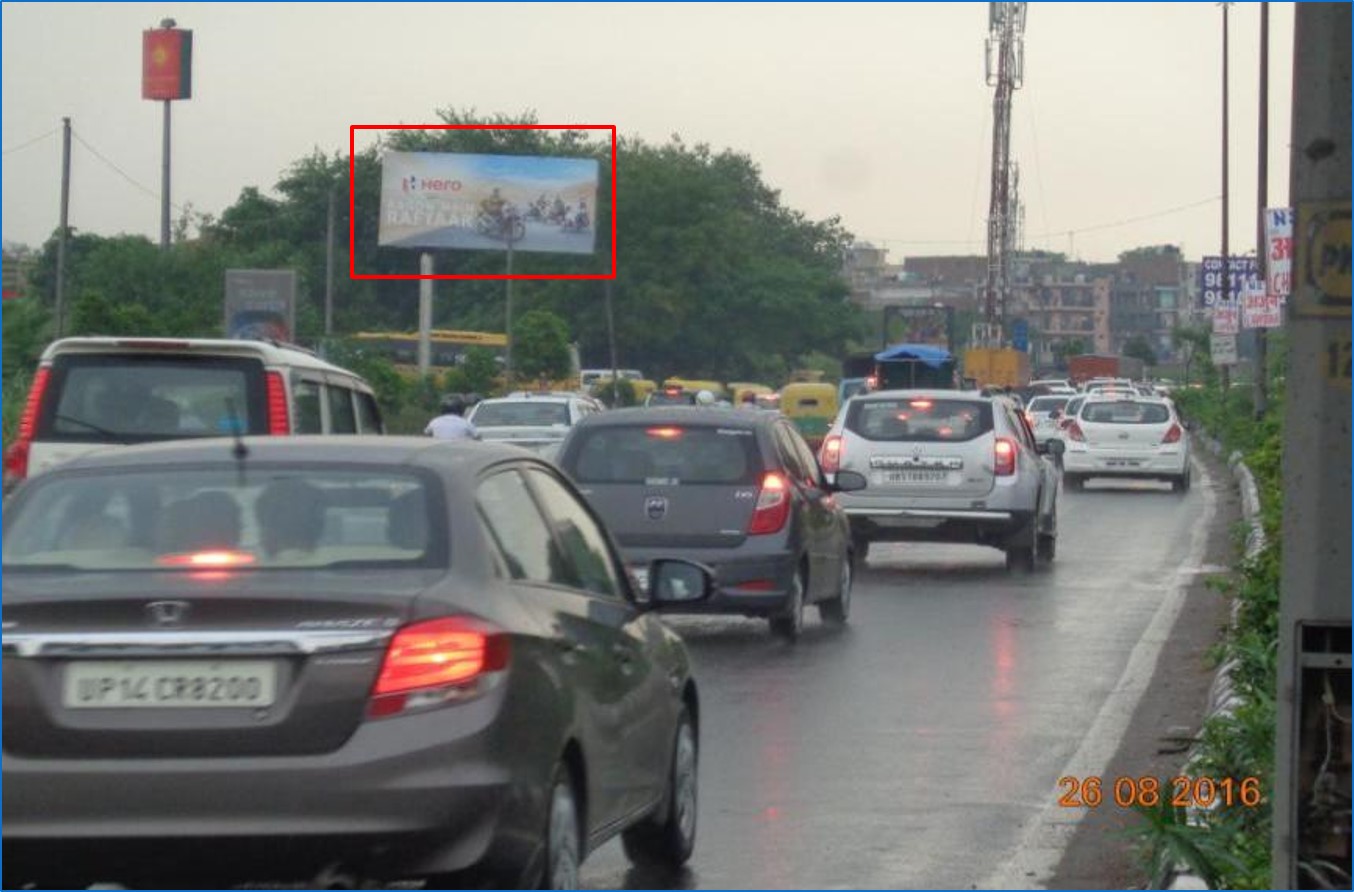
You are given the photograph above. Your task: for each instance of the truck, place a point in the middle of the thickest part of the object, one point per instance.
(996, 367)
(1103, 365)
(908, 366)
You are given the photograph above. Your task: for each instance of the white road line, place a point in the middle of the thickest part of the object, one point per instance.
(1046, 836)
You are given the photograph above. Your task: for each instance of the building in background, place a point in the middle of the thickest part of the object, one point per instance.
(19, 266)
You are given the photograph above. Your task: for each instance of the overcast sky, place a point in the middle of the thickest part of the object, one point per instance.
(878, 113)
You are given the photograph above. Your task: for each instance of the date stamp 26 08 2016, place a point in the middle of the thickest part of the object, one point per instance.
(1148, 792)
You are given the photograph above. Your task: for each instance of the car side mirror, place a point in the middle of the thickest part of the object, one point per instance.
(849, 481)
(676, 582)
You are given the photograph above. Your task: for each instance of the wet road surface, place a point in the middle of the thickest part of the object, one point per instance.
(921, 746)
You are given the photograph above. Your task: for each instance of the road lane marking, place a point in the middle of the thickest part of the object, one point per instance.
(1045, 837)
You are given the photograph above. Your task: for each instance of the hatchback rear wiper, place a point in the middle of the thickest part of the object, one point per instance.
(117, 435)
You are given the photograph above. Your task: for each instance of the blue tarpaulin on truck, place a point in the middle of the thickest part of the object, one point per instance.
(927, 354)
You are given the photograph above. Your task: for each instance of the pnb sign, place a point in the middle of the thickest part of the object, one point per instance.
(488, 202)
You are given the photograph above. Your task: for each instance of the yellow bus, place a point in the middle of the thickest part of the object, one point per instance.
(447, 346)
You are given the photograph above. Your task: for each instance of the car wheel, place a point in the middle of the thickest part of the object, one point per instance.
(861, 548)
(1020, 552)
(790, 622)
(1048, 547)
(1074, 482)
(837, 610)
(1181, 483)
(563, 850)
(667, 840)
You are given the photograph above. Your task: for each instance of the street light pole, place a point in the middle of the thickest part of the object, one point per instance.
(1262, 199)
(1226, 369)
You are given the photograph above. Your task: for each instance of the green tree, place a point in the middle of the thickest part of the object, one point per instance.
(1192, 342)
(540, 346)
(480, 369)
(1140, 347)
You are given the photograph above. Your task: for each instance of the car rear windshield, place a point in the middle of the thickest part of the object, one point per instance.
(1048, 403)
(521, 414)
(921, 420)
(665, 454)
(671, 399)
(1125, 413)
(250, 518)
(126, 398)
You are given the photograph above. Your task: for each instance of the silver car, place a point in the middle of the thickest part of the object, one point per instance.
(946, 466)
(536, 421)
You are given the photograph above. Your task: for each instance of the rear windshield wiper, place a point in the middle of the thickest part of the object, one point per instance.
(116, 435)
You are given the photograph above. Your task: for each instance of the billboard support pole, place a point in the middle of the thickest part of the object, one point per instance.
(611, 338)
(425, 314)
(507, 352)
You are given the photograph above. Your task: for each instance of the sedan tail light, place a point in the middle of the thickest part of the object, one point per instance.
(1074, 433)
(432, 662)
(831, 455)
(1172, 435)
(16, 457)
(773, 506)
(1004, 457)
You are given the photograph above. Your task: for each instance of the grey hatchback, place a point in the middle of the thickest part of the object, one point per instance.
(307, 657)
(736, 490)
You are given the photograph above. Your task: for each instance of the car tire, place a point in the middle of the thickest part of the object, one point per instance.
(1048, 548)
(563, 839)
(836, 611)
(1021, 550)
(666, 841)
(861, 548)
(1181, 483)
(1074, 482)
(789, 623)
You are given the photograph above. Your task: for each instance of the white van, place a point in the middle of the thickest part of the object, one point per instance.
(91, 392)
(590, 378)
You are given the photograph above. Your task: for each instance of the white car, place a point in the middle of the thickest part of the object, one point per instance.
(1044, 413)
(1129, 437)
(537, 421)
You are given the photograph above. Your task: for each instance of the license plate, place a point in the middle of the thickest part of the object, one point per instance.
(896, 477)
(167, 684)
(1121, 463)
(641, 576)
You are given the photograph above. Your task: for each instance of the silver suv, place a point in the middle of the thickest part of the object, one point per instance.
(946, 466)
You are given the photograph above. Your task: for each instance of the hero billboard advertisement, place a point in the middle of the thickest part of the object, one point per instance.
(488, 202)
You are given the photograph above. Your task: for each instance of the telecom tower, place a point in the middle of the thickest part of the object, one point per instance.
(1006, 72)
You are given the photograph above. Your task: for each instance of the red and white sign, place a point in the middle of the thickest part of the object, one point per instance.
(1259, 309)
(1226, 319)
(1279, 254)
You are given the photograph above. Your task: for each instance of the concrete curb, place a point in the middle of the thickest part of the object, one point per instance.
(1222, 699)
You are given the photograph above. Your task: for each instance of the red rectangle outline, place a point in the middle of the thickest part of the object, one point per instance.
(352, 198)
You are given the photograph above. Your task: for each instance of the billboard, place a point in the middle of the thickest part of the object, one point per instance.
(488, 202)
(261, 304)
(167, 64)
(1211, 284)
(1279, 241)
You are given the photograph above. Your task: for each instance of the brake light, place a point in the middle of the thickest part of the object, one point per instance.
(154, 345)
(920, 404)
(1074, 432)
(1172, 435)
(665, 433)
(16, 457)
(279, 423)
(432, 662)
(773, 506)
(210, 560)
(1004, 457)
(831, 455)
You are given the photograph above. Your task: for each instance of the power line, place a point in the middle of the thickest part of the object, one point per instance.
(122, 173)
(35, 139)
(1056, 232)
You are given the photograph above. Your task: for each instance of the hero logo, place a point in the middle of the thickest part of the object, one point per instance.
(413, 183)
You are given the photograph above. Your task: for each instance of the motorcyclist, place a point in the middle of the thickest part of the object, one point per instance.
(451, 425)
(494, 204)
(705, 398)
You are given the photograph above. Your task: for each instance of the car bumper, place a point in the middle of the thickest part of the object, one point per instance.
(754, 585)
(420, 793)
(1125, 464)
(985, 527)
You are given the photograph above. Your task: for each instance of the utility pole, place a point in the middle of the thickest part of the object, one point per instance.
(65, 227)
(1312, 746)
(611, 338)
(425, 314)
(1005, 72)
(329, 265)
(1262, 199)
(1225, 369)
